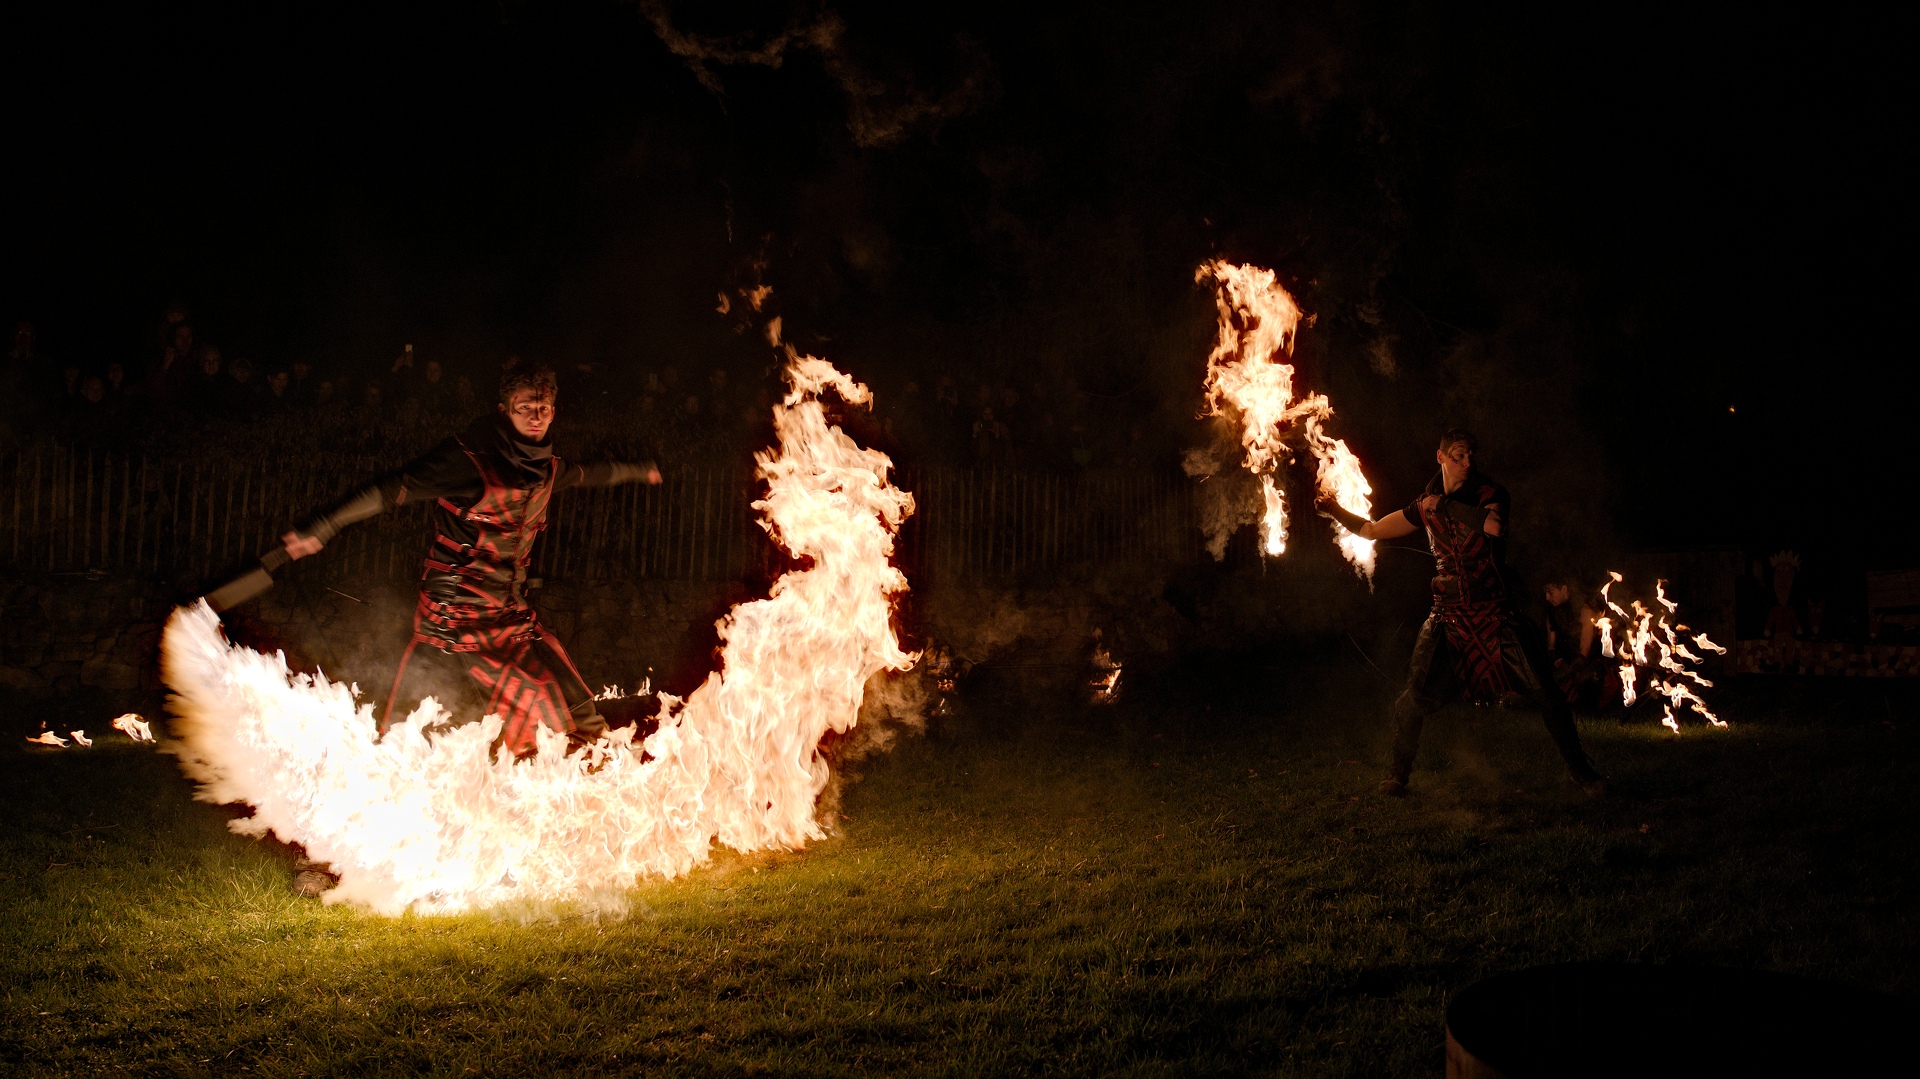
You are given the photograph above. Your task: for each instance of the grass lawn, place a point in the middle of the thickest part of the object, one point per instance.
(1166, 887)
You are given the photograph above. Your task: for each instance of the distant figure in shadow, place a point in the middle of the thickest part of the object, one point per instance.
(1476, 640)
(1571, 633)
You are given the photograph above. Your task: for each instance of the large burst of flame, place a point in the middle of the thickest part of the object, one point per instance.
(1250, 381)
(436, 823)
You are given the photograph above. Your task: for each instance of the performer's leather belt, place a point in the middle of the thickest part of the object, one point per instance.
(1451, 591)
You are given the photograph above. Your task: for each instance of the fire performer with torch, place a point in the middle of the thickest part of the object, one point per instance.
(1476, 639)
(477, 644)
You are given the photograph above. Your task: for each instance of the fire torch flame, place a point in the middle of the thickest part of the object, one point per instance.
(1249, 379)
(1608, 600)
(1701, 640)
(48, 738)
(1339, 478)
(438, 824)
(1645, 628)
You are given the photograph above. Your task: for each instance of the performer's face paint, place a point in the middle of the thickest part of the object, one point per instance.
(530, 414)
(1455, 462)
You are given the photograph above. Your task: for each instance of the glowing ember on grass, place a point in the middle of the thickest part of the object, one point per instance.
(1648, 640)
(134, 727)
(1250, 381)
(436, 824)
(48, 738)
(80, 737)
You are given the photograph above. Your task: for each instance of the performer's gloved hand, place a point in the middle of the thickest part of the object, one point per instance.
(1352, 521)
(299, 546)
(644, 472)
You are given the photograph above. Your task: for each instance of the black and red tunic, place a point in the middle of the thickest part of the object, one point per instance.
(477, 644)
(1471, 601)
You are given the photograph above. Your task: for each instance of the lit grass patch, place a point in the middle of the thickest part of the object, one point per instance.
(1152, 890)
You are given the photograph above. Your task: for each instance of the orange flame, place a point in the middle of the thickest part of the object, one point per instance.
(1647, 628)
(435, 823)
(1249, 379)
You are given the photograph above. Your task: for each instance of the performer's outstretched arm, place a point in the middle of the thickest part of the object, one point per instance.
(608, 474)
(442, 472)
(1392, 526)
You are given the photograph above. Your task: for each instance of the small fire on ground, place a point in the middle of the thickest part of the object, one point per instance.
(130, 724)
(1103, 680)
(1648, 640)
(438, 824)
(1250, 383)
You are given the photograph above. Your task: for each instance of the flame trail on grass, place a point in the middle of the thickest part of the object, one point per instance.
(434, 823)
(1250, 382)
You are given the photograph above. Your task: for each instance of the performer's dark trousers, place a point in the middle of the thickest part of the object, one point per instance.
(1432, 683)
(426, 671)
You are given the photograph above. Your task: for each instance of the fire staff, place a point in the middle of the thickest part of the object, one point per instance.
(477, 644)
(1475, 639)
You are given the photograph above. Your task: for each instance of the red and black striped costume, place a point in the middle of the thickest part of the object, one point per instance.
(1475, 640)
(478, 646)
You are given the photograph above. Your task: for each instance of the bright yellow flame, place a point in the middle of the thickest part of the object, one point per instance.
(1250, 380)
(1339, 478)
(48, 738)
(437, 824)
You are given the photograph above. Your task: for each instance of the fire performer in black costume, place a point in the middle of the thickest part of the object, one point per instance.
(477, 645)
(1476, 639)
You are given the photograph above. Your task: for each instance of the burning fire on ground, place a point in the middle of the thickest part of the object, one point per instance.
(1647, 639)
(130, 724)
(437, 824)
(1250, 384)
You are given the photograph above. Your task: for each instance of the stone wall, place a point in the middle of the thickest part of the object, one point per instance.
(62, 633)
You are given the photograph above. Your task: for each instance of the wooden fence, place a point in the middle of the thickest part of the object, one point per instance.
(72, 510)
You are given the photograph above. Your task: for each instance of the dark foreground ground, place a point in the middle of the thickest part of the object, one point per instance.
(1165, 888)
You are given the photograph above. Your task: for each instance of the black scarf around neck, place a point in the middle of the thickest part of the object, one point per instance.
(522, 462)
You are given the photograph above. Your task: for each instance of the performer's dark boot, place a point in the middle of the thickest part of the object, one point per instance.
(1533, 677)
(1409, 716)
(589, 725)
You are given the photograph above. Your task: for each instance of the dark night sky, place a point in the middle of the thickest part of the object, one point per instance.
(1599, 228)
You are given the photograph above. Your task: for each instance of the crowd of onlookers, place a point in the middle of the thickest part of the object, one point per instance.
(188, 392)
(187, 395)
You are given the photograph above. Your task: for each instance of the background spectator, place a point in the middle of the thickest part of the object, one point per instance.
(204, 393)
(243, 392)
